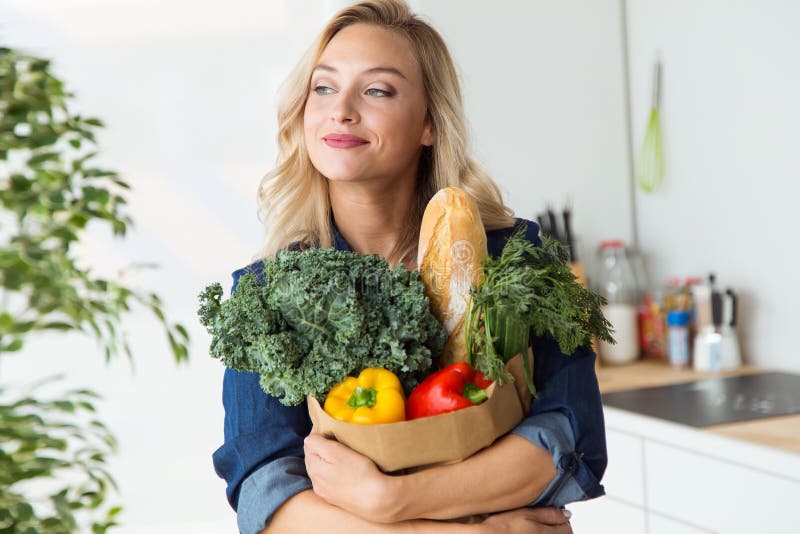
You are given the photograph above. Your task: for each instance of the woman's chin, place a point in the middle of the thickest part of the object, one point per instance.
(343, 176)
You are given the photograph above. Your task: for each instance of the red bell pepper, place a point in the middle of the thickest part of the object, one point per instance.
(452, 388)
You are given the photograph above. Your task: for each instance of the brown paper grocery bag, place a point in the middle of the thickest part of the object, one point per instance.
(443, 438)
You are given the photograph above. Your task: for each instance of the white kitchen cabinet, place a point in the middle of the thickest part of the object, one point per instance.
(666, 478)
(717, 494)
(624, 478)
(607, 515)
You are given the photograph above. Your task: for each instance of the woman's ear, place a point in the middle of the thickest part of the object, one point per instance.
(427, 134)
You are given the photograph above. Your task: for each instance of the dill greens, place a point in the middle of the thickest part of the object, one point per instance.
(529, 289)
(320, 316)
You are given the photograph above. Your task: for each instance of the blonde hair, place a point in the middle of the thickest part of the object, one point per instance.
(293, 197)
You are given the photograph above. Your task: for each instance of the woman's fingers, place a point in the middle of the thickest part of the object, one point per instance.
(325, 448)
(527, 521)
(346, 478)
(550, 516)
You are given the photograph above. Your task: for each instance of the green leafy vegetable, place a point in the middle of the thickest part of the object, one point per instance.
(320, 316)
(529, 289)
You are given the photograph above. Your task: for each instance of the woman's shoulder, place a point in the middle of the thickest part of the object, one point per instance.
(256, 268)
(496, 239)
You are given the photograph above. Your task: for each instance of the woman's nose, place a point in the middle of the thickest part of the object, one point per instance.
(344, 110)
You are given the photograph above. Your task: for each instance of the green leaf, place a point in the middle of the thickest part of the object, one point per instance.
(24, 512)
(56, 325)
(182, 331)
(87, 406)
(6, 321)
(65, 234)
(20, 183)
(43, 157)
(21, 327)
(14, 346)
(78, 220)
(64, 405)
(121, 183)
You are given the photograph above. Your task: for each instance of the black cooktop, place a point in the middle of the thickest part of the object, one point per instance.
(715, 401)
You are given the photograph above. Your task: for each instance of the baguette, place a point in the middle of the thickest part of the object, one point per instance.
(451, 252)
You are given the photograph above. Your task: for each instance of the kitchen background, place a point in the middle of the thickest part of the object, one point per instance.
(187, 90)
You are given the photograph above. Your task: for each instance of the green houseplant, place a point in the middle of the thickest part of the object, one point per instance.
(53, 449)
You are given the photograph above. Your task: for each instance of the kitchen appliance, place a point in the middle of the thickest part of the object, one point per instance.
(715, 346)
(715, 401)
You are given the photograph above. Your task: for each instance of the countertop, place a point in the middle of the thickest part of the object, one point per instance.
(778, 432)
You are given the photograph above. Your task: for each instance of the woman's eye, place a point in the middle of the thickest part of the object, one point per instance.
(324, 90)
(383, 93)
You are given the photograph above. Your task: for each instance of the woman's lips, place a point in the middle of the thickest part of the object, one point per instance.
(344, 141)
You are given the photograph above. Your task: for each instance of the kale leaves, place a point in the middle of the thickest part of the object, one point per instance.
(319, 316)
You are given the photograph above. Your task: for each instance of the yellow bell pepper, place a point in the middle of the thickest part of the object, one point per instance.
(376, 396)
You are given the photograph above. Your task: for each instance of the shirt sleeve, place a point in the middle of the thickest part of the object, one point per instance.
(566, 419)
(262, 458)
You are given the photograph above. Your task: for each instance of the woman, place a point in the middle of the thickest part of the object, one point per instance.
(371, 126)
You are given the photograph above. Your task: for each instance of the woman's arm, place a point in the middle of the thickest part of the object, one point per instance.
(306, 512)
(509, 474)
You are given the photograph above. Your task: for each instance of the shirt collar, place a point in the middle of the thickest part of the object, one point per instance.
(339, 242)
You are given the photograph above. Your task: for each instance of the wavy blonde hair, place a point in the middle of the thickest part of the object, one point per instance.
(293, 197)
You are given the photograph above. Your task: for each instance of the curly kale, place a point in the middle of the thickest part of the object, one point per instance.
(319, 316)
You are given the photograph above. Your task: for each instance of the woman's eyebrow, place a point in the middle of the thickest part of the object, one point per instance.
(373, 70)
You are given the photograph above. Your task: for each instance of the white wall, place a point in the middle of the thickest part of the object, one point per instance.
(730, 112)
(543, 90)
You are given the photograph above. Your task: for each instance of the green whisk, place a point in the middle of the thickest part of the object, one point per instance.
(650, 166)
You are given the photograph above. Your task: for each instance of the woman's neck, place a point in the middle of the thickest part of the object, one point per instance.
(371, 217)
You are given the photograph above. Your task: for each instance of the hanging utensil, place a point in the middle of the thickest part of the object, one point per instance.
(650, 166)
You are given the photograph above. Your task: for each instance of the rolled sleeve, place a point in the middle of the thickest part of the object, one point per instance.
(552, 432)
(266, 489)
(566, 419)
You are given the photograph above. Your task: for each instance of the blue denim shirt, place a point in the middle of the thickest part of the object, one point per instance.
(262, 458)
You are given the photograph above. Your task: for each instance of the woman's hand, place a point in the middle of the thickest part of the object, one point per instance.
(347, 479)
(528, 521)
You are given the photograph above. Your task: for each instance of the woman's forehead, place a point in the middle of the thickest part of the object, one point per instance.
(365, 49)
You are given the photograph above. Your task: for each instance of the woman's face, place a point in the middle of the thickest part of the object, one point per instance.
(367, 84)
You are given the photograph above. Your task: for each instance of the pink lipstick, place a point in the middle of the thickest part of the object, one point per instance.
(344, 141)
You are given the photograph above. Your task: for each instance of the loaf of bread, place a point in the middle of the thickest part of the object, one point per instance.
(450, 256)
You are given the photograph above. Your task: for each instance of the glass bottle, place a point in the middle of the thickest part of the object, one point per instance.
(618, 285)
